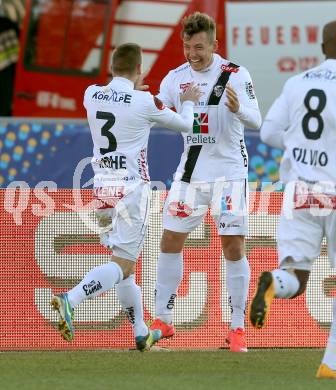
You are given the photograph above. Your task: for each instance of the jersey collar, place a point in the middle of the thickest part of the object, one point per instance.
(123, 80)
(331, 61)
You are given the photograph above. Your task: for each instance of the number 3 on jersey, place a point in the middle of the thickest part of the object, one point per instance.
(105, 131)
(314, 113)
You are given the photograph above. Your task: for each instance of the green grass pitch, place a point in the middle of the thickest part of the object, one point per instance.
(163, 370)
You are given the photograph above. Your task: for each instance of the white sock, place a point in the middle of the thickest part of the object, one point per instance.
(95, 282)
(237, 284)
(329, 357)
(130, 297)
(286, 285)
(169, 277)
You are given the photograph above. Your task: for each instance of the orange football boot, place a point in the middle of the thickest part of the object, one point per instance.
(236, 340)
(167, 330)
(325, 372)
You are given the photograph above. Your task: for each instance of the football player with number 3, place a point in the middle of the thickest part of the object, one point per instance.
(120, 119)
(302, 122)
(212, 172)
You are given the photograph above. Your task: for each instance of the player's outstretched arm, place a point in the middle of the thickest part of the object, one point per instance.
(181, 122)
(272, 134)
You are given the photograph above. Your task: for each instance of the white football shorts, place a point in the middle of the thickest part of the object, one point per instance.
(123, 218)
(188, 203)
(300, 238)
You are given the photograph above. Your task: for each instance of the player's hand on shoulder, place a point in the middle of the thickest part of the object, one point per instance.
(232, 102)
(192, 93)
(139, 84)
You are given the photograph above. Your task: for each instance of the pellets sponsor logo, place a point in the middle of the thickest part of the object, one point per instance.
(200, 139)
(200, 124)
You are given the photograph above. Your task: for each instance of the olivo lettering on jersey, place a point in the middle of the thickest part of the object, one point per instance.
(310, 157)
(114, 96)
(321, 74)
(200, 126)
(113, 162)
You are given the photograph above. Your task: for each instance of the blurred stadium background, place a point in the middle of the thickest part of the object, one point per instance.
(60, 48)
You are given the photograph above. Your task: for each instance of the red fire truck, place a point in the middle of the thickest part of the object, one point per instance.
(67, 44)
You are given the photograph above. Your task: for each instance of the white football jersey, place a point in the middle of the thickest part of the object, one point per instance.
(303, 122)
(120, 119)
(215, 147)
